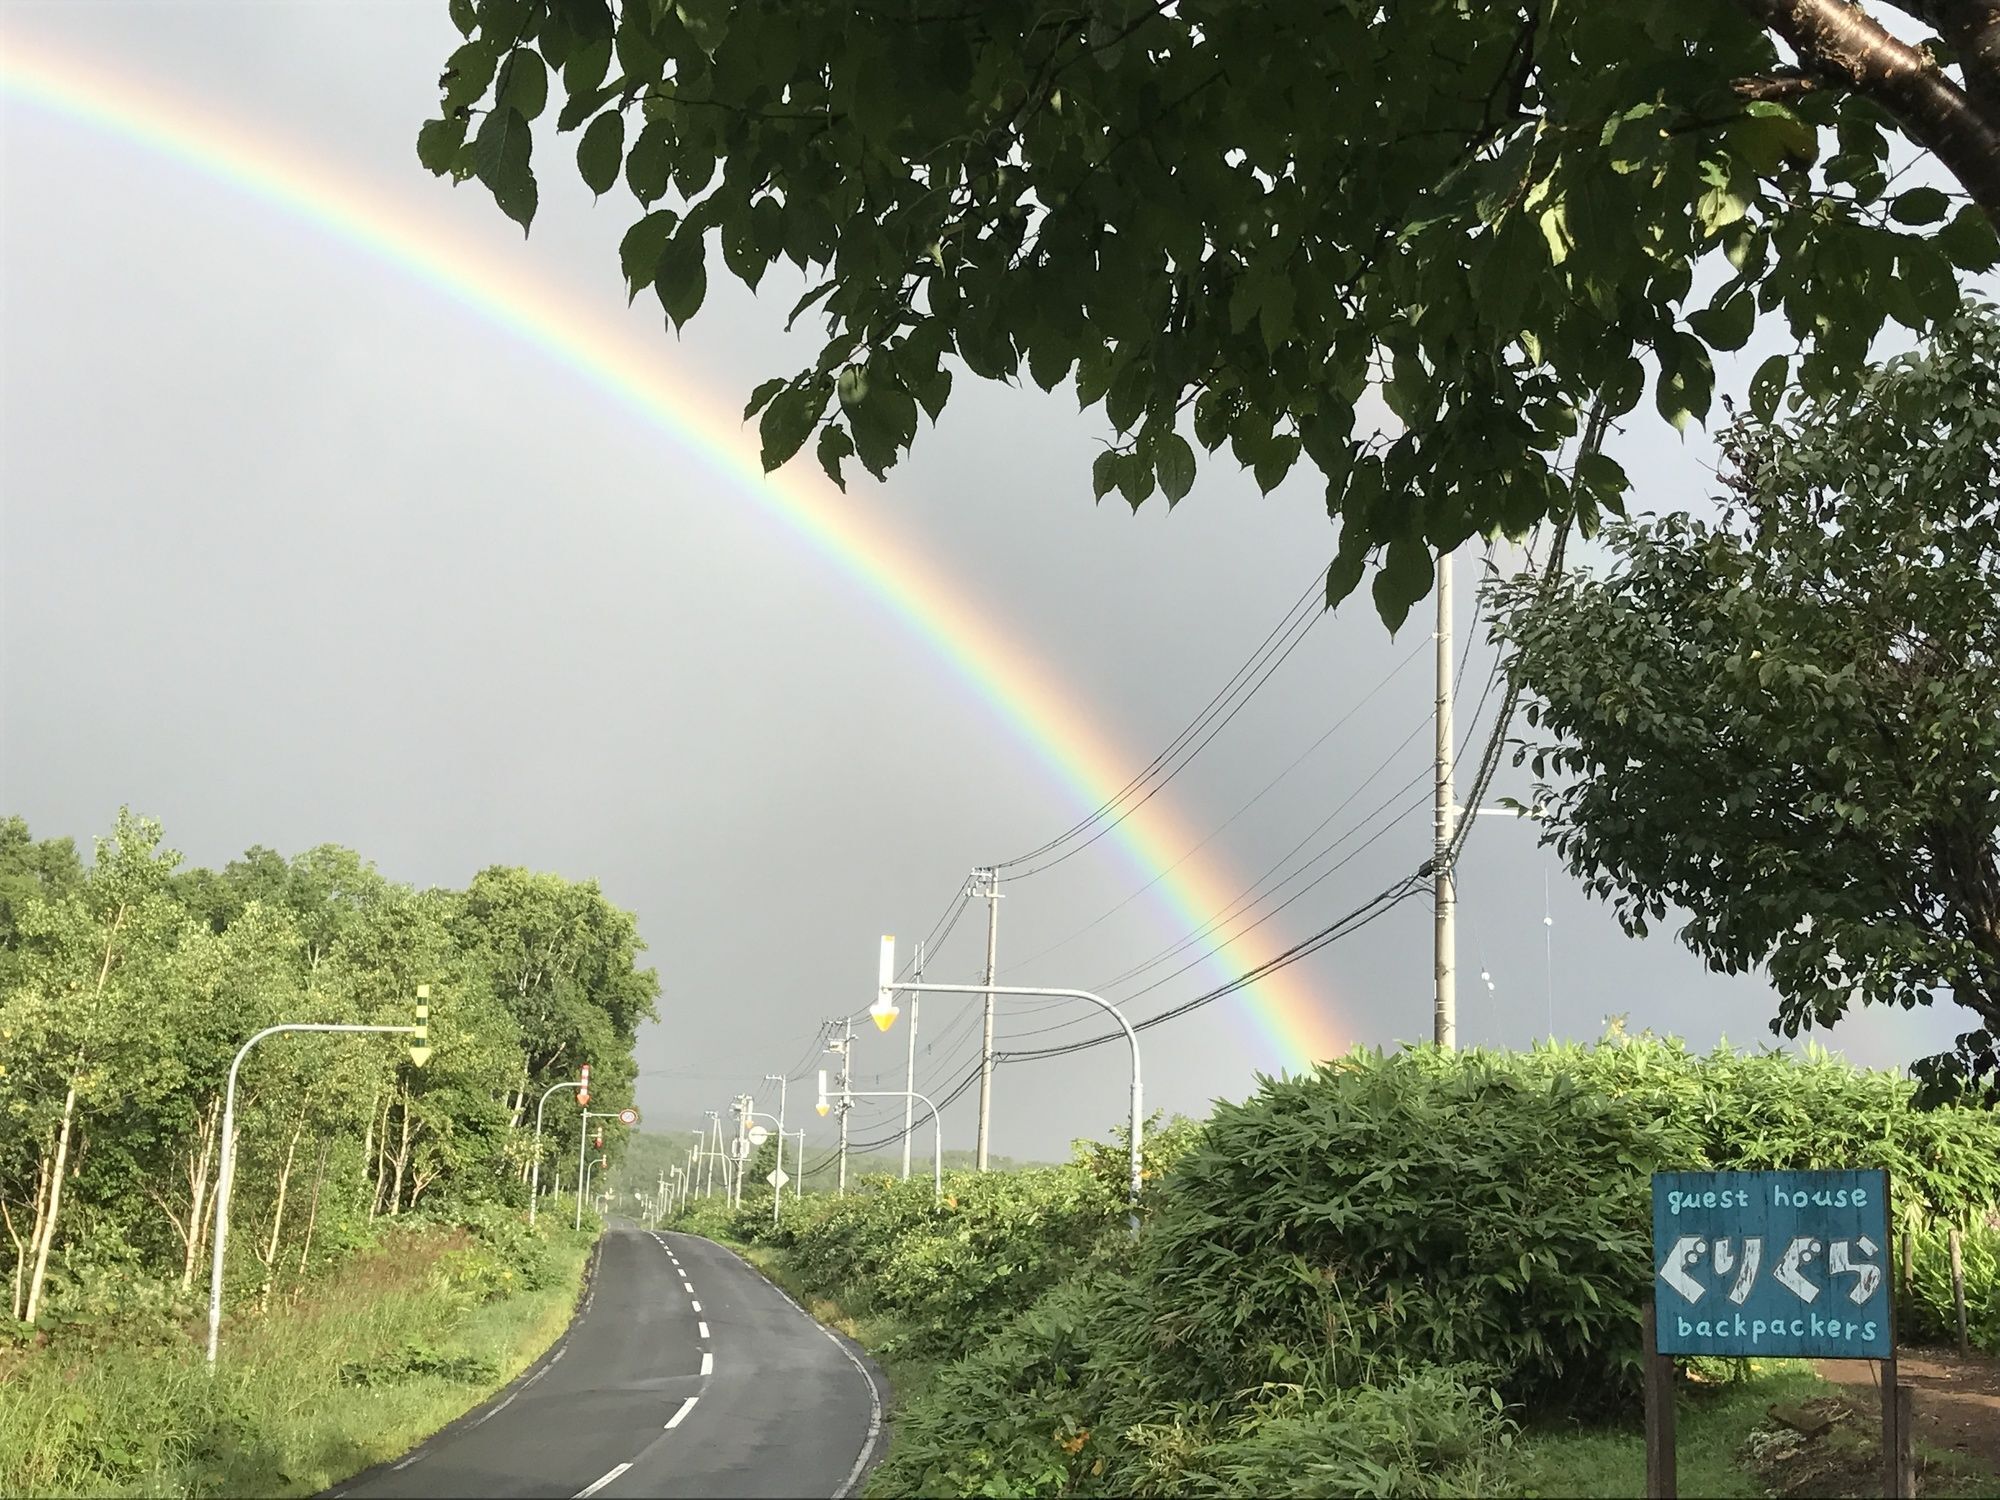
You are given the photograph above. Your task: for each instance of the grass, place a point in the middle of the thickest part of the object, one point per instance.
(357, 1370)
(1713, 1427)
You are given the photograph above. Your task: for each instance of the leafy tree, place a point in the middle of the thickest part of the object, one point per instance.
(1784, 721)
(1252, 216)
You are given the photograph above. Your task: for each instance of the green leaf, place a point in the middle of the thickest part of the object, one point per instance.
(639, 252)
(524, 83)
(1173, 461)
(467, 72)
(1968, 241)
(787, 422)
(650, 161)
(438, 144)
(1344, 572)
(1768, 385)
(1920, 205)
(834, 445)
(761, 397)
(1104, 473)
(852, 386)
(1404, 578)
(1135, 479)
(600, 152)
(1727, 325)
(500, 158)
(463, 16)
(681, 279)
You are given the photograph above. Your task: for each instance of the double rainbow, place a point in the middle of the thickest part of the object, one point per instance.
(1294, 1021)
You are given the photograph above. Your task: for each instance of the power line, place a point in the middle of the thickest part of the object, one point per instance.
(1268, 786)
(1283, 639)
(1353, 921)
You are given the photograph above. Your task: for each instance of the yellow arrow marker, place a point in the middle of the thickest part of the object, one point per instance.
(420, 1055)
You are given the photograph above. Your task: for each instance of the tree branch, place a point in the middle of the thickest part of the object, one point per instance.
(1837, 39)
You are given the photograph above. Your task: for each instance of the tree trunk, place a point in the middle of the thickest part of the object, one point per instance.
(1837, 40)
(197, 1235)
(312, 1213)
(270, 1255)
(402, 1162)
(381, 1157)
(21, 1250)
(47, 1224)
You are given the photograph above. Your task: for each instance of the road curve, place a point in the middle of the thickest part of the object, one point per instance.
(686, 1373)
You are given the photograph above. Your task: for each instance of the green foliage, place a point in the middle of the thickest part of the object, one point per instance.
(1495, 1208)
(127, 987)
(1927, 1312)
(1346, 1283)
(1484, 217)
(363, 1363)
(1781, 721)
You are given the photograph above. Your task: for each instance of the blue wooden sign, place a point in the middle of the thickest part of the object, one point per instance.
(1779, 1264)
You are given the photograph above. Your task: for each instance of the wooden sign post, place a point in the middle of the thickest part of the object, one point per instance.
(1775, 1265)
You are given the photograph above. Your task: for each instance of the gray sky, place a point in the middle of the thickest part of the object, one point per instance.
(294, 549)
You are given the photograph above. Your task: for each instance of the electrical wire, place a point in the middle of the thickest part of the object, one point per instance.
(1268, 786)
(1283, 639)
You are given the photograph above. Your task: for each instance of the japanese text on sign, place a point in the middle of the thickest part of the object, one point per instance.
(1783, 1264)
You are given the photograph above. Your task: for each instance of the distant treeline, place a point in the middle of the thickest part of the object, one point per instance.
(127, 985)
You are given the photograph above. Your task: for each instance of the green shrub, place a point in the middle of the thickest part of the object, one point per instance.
(1926, 1311)
(1494, 1208)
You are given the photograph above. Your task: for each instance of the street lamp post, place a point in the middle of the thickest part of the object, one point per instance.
(626, 1116)
(226, 1174)
(535, 1182)
(937, 1129)
(884, 1011)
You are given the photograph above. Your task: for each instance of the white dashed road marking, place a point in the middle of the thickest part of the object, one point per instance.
(686, 1407)
(704, 1329)
(590, 1489)
(707, 1364)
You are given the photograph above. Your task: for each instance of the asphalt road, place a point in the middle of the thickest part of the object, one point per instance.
(686, 1373)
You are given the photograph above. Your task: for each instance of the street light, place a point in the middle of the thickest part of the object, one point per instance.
(625, 1116)
(225, 1180)
(582, 1086)
(937, 1131)
(887, 987)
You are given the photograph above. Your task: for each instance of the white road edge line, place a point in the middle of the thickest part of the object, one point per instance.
(703, 1329)
(494, 1411)
(588, 1490)
(686, 1407)
(557, 1355)
(874, 1395)
(707, 1362)
(396, 1468)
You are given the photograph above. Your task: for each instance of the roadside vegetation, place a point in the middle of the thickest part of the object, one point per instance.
(381, 1275)
(346, 1372)
(1417, 1274)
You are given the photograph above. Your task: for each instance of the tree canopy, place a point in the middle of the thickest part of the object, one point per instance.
(1785, 720)
(127, 986)
(1233, 221)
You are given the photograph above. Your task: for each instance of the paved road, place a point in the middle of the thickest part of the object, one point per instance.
(686, 1373)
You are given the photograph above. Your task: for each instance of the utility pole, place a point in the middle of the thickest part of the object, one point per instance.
(992, 878)
(1444, 1017)
(846, 1069)
(910, 1081)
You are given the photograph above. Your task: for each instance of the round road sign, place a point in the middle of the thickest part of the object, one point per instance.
(759, 1135)
(628, 1116)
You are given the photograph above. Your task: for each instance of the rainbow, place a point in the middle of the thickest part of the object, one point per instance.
(1293, 1020)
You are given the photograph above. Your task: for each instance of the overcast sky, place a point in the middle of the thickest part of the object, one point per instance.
(294, 549)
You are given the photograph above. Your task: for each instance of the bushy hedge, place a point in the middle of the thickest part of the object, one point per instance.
(1344, 1282)
(1495, 1208)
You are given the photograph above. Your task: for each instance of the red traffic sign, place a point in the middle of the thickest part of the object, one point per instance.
(583, 1096)
(628, 1116)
